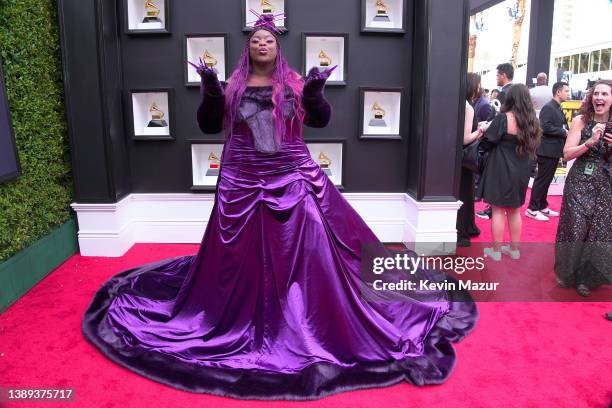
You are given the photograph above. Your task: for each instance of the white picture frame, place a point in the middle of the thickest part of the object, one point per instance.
(391, 22)
(205, 172)
(332, 151)
(248, 18)
(319, 47)
(380, 116)
(141, 101)
(195, 47)
(137, 21)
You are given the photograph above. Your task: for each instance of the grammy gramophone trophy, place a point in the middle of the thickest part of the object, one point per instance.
(209, 60)
(382, 12)
(266, 7)
(325, 163)
(378, 118)
(151, 13)
(157, 117)
(151, 20)
(214, 165)
(324, 61)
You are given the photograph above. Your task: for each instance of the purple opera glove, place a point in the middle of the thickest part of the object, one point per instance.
(318, 110)
(212, 108)
(208, 77)
(315, 81)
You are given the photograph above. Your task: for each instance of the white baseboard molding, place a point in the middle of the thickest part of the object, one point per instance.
(111, 229)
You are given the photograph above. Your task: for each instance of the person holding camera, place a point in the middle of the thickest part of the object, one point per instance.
(583, 255)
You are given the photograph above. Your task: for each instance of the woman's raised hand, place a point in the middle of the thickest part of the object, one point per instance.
(596, 134)
(315, 80)
(206, 73)
(314, 74)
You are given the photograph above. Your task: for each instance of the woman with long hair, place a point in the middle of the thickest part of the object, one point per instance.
(584, 236)
(512, 140)
(274, 305)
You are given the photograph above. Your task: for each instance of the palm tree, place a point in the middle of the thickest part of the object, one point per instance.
(518, 14)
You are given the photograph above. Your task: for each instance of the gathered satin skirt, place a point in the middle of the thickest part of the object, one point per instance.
(272, 306)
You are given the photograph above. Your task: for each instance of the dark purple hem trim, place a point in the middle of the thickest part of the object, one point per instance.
(314, 382)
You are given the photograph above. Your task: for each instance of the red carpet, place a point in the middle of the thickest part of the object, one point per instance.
(519, 355)
(533, 231)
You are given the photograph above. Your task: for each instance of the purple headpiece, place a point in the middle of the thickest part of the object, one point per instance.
(267, 22)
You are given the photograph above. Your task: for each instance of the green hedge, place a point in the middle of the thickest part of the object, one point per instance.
(38, 201)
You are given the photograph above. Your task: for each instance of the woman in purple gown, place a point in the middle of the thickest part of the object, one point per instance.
(273, 305)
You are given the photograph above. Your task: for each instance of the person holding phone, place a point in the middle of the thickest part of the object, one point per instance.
(583, 255)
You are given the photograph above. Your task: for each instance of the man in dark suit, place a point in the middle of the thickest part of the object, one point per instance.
(505, 76)
(554, 132)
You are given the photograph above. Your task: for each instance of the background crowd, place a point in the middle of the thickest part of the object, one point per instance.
(521, 133)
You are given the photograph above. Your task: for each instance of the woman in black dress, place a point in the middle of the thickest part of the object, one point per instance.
(466, 224)
(511, 140)
(584, 238)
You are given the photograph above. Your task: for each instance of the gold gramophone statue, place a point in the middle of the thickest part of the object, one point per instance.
(151, 13)
(378, 116)
(209, 60)
(266, 7)
(324, 61)
(325, 163)
(157, 117)
(214, 164)
(382, 12)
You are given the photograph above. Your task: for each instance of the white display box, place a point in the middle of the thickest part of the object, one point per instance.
(136, 17)
(332, 152)
(376, 103)
(196, 45)
(205, 164)
(141, 102)
(248, 18)
(333, 46)
(392, 21)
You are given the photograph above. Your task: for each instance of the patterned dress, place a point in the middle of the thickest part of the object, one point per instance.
(584, 237)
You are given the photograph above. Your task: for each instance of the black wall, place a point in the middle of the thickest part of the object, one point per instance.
(93, 87)
(540, 38)
(477, 6)
(439, 95)
(101, 62)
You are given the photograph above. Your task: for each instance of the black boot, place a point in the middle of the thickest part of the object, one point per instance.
(463, 242)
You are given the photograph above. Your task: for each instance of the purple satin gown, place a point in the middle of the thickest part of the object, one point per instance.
(271, 306)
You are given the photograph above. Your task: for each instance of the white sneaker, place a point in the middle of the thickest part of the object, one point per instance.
(549, 213)
(493, 254)
(512, 253)
(536, 215)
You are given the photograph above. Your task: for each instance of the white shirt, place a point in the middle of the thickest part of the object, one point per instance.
(540, 95)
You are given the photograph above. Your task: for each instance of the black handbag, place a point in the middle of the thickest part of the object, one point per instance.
(474, 157)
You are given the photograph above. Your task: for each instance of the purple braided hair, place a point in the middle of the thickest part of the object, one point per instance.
(283, 77)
